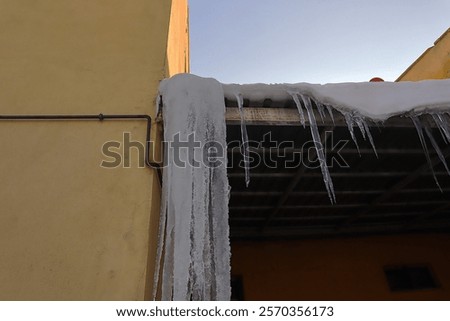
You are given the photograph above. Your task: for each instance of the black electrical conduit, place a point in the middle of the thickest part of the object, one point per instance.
(99, 117)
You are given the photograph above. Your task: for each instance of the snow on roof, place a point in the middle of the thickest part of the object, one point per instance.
(375, 100)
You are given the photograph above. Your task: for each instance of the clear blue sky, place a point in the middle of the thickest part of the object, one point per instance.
(316, 41)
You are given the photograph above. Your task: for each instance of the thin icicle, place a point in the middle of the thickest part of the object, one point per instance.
(418, 125)
(330, 111)
(319, 149)
(299, 108)
(245, 148)
(443, 125)
(360, 122)
(364, 129)
(369, 135)
(321, 110)
(436, 147)
(349, 120)
(440, 129)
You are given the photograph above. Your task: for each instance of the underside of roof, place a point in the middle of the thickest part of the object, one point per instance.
(392, 193)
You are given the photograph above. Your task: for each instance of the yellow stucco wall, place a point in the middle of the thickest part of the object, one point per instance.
(69, 229)
(434, 63)
(339, 269)
(178, 46)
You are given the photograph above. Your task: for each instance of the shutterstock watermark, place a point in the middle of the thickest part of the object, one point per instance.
(188, 152)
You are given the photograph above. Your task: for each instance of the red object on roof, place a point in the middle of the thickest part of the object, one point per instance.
(376, 79)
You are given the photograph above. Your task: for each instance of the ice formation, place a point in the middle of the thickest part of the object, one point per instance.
(317, 141)
(442, 121)
(244, 136)
(193, 255)
(360, 104)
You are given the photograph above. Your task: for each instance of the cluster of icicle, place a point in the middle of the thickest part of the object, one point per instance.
(193, 254)
(353, 119)
(442, 121)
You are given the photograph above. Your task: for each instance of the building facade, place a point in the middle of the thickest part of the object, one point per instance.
(79, 222)
(70, 228)
(434, 63)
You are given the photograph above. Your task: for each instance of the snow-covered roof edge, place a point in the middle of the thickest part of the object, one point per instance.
(375, 100)
(358, 102)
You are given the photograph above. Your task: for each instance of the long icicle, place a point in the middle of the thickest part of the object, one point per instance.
(359, 121)
(244, 136)
(365, 131)
(436, 148)
(369, 135)
(321, 110)
(419, 130)
(349, 120)
(319, 149)
(330, 111)
(443, 126)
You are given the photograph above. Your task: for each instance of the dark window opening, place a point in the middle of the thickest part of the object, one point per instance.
(408, 278)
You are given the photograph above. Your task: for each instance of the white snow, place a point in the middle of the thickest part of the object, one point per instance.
(375, 100)
(194, 234)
